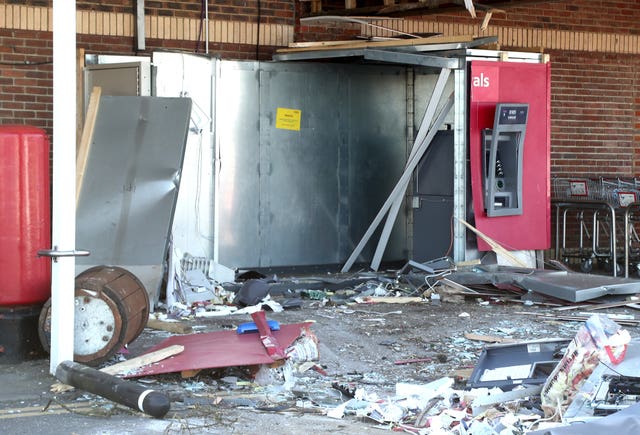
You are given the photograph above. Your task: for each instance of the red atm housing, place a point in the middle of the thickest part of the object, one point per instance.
(513, 82)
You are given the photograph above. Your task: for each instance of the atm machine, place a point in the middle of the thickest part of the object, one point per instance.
(502, 149)
(507, 193)
(509, 135)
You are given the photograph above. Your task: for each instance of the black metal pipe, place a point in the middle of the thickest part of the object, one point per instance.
(110, 387)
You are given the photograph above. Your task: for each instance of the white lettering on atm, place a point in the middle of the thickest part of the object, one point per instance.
(481, 82)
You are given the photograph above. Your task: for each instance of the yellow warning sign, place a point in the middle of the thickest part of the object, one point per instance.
(288, 119)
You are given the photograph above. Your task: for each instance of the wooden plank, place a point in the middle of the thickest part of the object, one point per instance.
(596, 306)
(87, 136)
(395, 43)
(578, 318)
(174, 327)
(488, 338)
(79, 94)
(392, 299)
(143, 360)
(495, 247)
(129, 365)
(316, 44)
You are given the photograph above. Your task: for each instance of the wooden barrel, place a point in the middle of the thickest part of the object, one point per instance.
(111, 310)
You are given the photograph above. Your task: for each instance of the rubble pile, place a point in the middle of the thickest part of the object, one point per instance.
(494, 377)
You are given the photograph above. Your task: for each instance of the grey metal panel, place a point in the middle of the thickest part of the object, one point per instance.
(238, 140)
(424, 83)
(299, 202)
(130, 185)
(377, 153)
(181, 74)
(434, 190)
(431, 223)
(304, 197)
(314, 55)
(355, 52)
(577, 287)
(461, 195)
(435, 170)
(394, 56)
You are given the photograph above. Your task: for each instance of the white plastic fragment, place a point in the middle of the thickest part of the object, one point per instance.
(424, 392)
(338, 411)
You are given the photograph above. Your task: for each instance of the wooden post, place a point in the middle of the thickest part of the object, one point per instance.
(79, 92)
(87, 136)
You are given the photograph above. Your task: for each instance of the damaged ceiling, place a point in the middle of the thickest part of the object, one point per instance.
(402, 8)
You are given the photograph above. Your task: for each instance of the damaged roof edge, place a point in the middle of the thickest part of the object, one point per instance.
(395, 54)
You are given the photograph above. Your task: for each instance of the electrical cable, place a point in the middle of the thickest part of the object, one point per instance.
(258, 19)
(27, 63)
(203, 5)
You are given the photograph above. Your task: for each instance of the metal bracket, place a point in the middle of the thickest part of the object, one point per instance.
(54, 253)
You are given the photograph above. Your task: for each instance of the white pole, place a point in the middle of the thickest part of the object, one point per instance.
(64, 180)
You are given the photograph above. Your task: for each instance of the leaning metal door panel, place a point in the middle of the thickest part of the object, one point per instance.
(304, 194)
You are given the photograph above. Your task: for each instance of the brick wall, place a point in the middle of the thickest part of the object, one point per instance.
(594, 48)
(108, 27)
(595, 64)
(26, 76)
(594, 114)
(575, 15)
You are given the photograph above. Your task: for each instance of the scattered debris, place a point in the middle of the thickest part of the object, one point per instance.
(251, 292)
(599, 339)
(129, 366)
(239, 349)
(509, 365)
(496, 380)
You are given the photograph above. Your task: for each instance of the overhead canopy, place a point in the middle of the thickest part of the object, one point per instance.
(442, 52)
(322, 8)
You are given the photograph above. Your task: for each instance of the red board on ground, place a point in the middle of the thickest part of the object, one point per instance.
(219, 349)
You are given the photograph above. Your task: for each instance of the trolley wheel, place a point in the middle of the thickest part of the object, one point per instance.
(608, 267)
(586, 266)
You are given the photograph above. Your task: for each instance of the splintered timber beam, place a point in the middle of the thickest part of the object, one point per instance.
(495, 246)
(110, 387)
